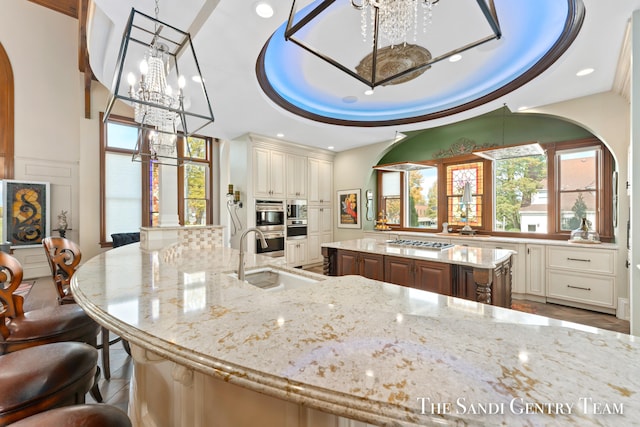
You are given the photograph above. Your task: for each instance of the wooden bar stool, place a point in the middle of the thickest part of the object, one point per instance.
(78, 416)
(64, 258)
(20, 329)
(43, 377)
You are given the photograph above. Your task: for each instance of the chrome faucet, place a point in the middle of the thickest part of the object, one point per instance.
(263, 243)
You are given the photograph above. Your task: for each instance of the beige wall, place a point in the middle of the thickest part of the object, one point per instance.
(53, 140)
(48, 94)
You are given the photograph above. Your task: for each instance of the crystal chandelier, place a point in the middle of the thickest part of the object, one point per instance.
(152, 64)
(399, 20)
(152, 88)
(388, 27)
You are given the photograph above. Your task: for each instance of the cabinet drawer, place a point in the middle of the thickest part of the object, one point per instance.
(580, 259)
(584, 288)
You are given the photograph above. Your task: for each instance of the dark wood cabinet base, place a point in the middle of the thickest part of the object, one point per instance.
(485, 285)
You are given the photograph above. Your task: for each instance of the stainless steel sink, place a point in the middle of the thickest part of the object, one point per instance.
(270, 279)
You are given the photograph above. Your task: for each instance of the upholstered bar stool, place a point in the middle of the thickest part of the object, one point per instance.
(20, 329)
(78, 416)
(43, 377)
(64, 257)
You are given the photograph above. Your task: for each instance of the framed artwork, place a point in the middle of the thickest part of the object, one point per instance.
(25, 214)
(349, 209)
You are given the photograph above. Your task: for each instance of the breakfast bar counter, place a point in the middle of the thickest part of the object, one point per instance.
(210, 350)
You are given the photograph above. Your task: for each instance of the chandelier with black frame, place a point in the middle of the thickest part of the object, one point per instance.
(157, 72)
(395, 23)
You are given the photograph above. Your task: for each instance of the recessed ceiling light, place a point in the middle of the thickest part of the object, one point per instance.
(280, 135)
(584, 72)
(331, 147)
(368, 92)
(264, 10)
(455, 58)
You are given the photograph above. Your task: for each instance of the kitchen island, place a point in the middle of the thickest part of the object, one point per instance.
(478, 274)
(210, 350)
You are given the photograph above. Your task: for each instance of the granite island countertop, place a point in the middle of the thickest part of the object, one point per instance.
(363, 349)
(460, 255)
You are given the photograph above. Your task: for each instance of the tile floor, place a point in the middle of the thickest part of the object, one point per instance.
(116, 390)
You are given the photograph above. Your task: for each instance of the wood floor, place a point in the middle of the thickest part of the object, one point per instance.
(116, 390)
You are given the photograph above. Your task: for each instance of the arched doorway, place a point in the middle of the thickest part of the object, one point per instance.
(6, 115)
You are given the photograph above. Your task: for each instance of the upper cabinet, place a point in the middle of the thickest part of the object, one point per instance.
(268, 173)
(296, 176)
(320, 181)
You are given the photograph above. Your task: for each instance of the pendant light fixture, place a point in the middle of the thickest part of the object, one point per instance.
(158, 74)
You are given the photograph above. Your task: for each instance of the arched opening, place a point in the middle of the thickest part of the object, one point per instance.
(6, 116)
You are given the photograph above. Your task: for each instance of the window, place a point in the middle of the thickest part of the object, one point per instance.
(417, 189)
(521, 200)
(577, 186)
(423, 198)
(545, 195)
(131, 190)
(459, 212)
(390, 206)
(194, 191)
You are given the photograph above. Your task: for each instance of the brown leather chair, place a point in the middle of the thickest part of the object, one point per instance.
(78, 416)
(43, 377)
(20, 329)
(64, 257)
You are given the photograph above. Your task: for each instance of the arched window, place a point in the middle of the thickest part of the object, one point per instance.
(6, 116)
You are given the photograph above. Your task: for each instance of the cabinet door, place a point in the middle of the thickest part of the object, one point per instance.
(535, 270)
(296, 176)
(320, 174)
(465, 285)
(326, 220)
(326, 182)
(398, 270)
(261, 173)
(372, 266)
(433, 276)
(313, 219)
(347, 263)
(277, 172)
(314, 253)
(296, 252)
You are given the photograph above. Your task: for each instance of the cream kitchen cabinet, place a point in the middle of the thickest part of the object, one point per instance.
(296, 252)
(582, 277)
(319, 230)
(296, 177)
(269, 168)
(320, 181)
(535, 270)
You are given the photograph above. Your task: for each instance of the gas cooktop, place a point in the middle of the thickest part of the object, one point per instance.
(439, 246)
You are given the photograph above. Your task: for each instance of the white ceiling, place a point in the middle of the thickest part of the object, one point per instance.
(228, 36)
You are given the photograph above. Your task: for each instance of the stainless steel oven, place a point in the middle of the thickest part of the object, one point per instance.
(275, 244)
(296, 219)
(270, 219)
(269, 214)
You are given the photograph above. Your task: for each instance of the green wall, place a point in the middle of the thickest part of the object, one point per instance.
(483, 130)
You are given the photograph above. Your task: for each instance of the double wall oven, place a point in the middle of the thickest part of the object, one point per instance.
(270, 219)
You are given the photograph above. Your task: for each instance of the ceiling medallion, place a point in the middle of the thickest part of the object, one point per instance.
(393, 60)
